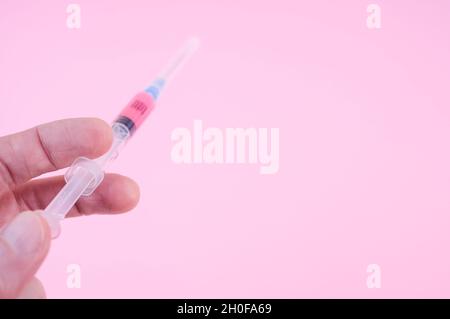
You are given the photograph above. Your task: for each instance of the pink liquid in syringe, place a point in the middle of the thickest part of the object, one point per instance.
(136, 111)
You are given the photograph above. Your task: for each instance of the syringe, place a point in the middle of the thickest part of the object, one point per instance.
(85, 175)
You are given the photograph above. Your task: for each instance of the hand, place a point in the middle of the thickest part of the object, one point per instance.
(25, 237)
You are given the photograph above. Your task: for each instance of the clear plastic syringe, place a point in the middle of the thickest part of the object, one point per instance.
(85, 175)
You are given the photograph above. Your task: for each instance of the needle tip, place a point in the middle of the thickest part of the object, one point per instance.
(193, 44)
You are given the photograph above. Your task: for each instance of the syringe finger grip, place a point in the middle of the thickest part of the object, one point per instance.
(83, 163)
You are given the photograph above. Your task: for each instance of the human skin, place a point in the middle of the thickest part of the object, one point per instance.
(24, 234)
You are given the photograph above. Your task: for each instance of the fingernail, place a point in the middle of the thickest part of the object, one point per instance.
(25, 233)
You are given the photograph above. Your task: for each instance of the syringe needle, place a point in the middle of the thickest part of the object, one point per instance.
(173, 66)
(179, 59)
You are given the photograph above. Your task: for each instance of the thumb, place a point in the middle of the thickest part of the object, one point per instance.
(24, 243)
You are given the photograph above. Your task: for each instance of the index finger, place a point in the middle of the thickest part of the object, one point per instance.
(51, 146)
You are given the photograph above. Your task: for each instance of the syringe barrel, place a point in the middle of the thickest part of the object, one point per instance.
(70, 193)
(136, 111)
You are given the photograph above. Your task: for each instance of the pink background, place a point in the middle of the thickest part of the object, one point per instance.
(364, 122)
